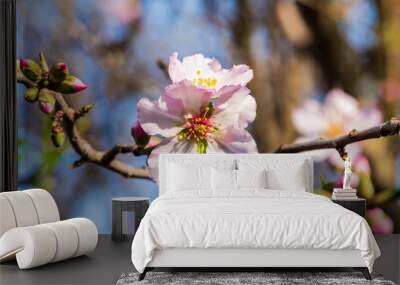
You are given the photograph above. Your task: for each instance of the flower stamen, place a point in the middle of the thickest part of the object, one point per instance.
(197, 128)
(209, 82)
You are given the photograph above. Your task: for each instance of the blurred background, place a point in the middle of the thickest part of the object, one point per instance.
(321, 68)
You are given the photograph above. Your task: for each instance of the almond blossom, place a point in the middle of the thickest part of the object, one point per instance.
(337, 115)
(380, 222)
(206, 72)
(191, 122)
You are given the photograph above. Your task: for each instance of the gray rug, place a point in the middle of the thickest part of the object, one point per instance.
(231, 278)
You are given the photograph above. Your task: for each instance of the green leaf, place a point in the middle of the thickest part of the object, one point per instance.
(201, 146)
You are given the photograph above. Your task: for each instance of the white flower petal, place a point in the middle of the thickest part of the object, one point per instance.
(365, 118)
(176, 69)
(339, 106)
(235, 106)
(191, 67)
(234, 140)
(309, 120)
(237, 75)
(156, 118)
(170, 145)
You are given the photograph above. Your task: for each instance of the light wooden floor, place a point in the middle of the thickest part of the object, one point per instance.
(110, 260)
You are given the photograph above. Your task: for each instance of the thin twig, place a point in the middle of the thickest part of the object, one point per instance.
(163, 67)
(388, 128)
(117, 149)
(90, 154)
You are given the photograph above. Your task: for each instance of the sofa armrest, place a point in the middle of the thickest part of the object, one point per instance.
(40, 244)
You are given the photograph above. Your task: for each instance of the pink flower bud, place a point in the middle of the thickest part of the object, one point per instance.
(71, 85)
(58, 72)
(62, 66)
(23, 63)
(140, 136)
(46, 107)
(47, 100)
(379, 221)
(30, 69)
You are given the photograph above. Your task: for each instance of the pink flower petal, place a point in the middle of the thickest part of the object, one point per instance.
(235, 106)
(379, 221)
(361, 164)
(237, 75)
(234, 140)
(170, 145)
(159, 117)
(192, 98)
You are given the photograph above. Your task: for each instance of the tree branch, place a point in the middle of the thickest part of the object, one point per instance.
(108, 159)
(162, 65)
(117, 149)
(388, 128)
(90, 154)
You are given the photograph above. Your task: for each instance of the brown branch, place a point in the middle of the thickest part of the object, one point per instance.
(90, 154)
(117, 149)
(84, 148)
(163, 67)
(108, 159)
(83, 111)
(388, 128)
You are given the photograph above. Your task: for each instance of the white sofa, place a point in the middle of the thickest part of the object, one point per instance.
(31, 231)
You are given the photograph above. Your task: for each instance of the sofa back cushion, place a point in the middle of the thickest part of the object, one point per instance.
(26, 208)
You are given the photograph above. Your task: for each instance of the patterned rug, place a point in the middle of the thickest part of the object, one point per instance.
(243, 278)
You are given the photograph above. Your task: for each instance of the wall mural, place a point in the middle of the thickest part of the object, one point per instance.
(109, 93)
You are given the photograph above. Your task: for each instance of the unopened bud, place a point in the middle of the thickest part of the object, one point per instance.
(47, 101)
(58, 138)
(140, 136)
(58, 72)
(31, 94)
(30, 69)
(71, 85)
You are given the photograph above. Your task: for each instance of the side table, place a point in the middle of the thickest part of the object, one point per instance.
(137, 205)
(357, 205)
